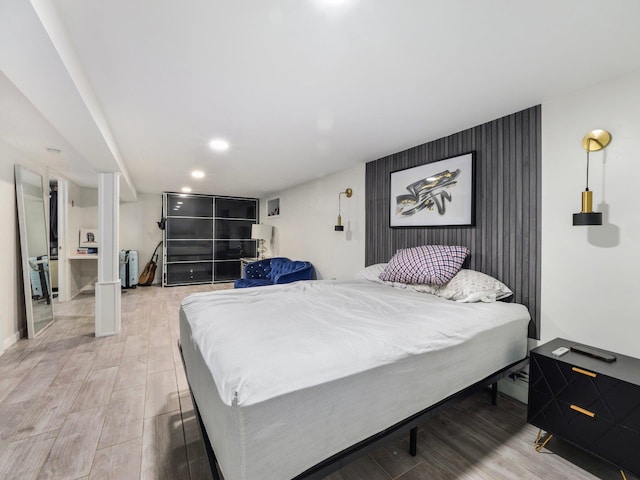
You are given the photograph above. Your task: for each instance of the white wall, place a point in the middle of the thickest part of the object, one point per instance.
(138, 229)
(305, 228)
(13, 321)
(590, 281)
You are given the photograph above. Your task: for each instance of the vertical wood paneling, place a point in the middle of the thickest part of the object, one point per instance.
(505, 242)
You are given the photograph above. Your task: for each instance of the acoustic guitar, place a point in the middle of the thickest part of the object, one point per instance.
(149, 272)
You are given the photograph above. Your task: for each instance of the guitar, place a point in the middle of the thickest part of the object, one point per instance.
(149, 272)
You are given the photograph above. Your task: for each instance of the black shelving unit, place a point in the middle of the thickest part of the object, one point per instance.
(205, 236)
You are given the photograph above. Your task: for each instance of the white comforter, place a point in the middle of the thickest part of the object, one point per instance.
(260, 343)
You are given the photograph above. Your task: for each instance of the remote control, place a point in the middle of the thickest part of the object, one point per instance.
(558, 352)
(594, 353)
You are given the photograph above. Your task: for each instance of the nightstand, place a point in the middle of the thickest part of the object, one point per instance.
(588, 402)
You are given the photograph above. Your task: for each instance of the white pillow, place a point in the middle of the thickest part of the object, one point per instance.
(469, 286)
(422, 287)
(372, 273)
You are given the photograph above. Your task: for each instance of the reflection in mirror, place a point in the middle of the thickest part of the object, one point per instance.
(34, 245)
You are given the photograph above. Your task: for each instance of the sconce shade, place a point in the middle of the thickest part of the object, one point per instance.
(260, 231)
(593, 218)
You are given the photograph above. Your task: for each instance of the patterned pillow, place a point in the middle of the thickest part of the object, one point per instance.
(470, 286)
(435, 264)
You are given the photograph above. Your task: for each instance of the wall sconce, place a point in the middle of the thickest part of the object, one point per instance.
(261, 232)
(348, 192)
(592, 142)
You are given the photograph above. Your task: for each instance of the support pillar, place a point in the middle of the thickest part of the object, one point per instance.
(108, 286)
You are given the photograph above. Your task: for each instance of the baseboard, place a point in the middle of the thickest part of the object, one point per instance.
(13, 339)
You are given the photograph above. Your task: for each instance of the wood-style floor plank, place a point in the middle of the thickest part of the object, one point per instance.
(160, 359)
(22, 459)
(132, 372)
(109, 354)
(192, 435)
(97, 388)
(125, 417)
(118, 462)
(35, 383)
(76, 368)
(162, 394)
(49, 412)
(72, 453)
(164, 456)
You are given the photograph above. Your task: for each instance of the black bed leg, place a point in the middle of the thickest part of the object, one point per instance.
(413, 441)
(494, 393)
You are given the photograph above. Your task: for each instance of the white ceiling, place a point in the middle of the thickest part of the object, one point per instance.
(300, 88)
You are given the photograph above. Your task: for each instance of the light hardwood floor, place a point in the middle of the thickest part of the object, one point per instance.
(73, 406)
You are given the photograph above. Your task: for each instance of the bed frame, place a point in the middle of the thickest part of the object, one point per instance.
(346, 456)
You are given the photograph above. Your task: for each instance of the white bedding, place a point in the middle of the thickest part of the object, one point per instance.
(287, 375)
(265, 342)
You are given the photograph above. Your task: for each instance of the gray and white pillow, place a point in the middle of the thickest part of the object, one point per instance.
(469, 286)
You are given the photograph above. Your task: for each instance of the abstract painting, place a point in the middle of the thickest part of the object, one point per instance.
(435, 194)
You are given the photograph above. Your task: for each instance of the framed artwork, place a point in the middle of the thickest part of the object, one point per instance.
(88, 237)
(435, 194)
(273, 207)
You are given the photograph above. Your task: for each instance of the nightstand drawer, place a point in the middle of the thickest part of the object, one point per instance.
(570, 421)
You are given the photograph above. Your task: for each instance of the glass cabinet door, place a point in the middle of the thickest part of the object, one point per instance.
(189, 228)
(182, 205)
(233, 229)
(236, 208)
(189, 250)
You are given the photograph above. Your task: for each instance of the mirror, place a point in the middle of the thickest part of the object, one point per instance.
(34, 244)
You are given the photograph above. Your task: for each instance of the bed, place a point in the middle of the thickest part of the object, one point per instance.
(288, 380)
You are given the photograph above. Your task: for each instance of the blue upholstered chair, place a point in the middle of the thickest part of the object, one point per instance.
(272, 271)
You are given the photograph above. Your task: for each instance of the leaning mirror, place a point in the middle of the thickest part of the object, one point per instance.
(34, 244)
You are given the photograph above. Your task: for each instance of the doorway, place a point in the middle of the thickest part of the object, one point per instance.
(58, 221)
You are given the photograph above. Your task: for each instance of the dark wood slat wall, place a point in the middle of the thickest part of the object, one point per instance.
(505, 242)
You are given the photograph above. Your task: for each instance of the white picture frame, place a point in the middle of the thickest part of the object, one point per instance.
(435, 194)
(88, 238)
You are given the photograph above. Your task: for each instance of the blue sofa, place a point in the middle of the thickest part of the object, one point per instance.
(272, 271)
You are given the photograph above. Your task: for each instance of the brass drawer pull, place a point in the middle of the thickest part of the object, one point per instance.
(584, 372)
(582, 410)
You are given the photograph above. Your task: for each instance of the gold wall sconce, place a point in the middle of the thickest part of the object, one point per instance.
(347, 193)
(592, 142)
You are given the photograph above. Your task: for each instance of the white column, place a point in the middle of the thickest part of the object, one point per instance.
(108, 286)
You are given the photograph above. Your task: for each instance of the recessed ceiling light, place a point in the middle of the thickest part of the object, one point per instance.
(179, 203)
(197, 174)
(219, 145)
(186, 189)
